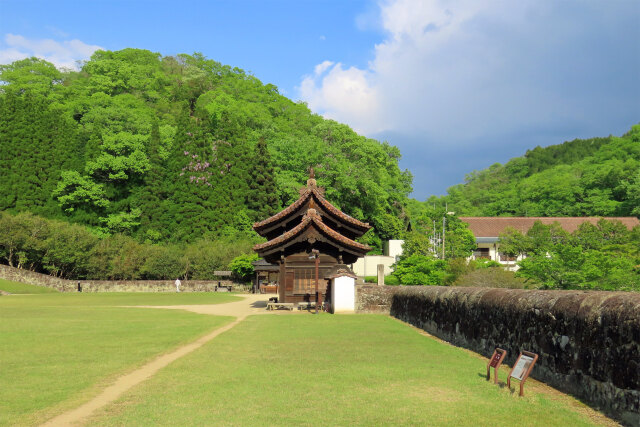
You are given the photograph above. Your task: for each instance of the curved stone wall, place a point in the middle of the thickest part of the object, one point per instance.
(63, 285)
(588, 342)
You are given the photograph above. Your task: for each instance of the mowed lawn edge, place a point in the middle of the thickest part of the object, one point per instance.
(117, 299)
(24, 288)
(337, 370)
(55, 358)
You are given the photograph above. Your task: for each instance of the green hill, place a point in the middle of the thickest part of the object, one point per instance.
(175, 149)
(592, 177)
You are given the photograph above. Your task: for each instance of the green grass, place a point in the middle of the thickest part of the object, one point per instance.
(58, 350)
(118, 299)
(330, 370)
(23, 288)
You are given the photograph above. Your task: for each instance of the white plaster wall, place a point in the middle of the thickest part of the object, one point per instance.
(368, 265)
(395, 248)
(343, 294)
(494, 253)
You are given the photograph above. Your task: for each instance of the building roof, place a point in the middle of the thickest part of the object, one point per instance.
(312, 218)
(493, 226)
(311, 190)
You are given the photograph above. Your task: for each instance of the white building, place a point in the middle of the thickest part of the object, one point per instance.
(488, 229)
(368, 265)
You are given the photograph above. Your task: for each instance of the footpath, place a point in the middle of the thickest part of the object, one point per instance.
(249, 305)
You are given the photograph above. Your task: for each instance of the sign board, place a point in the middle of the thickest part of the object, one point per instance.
(522, 368)
(495, 362)
(496, 358)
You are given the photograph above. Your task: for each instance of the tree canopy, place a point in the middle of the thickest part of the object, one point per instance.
(592, 177)
(178, 148)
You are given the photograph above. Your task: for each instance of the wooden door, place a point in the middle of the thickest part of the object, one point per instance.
(288, 283)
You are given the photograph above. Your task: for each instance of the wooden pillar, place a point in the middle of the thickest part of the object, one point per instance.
(256, 282)
(281, 281)
(318, 296)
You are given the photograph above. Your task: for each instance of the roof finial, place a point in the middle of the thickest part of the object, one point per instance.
(311, 182)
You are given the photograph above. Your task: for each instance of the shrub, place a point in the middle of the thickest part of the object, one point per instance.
(390, 280)
(242, 267)
(420, 270)
(493, 278)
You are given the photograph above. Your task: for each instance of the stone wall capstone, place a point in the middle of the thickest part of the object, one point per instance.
(588, 342)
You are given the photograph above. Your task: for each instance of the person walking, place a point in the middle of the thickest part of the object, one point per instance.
(178, 283)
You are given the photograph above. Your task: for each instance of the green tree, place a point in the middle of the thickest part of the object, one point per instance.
(420, 270)
(242, 267)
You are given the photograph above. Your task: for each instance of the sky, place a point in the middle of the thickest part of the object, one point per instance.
(456, 85)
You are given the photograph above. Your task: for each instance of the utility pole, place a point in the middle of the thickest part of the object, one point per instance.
(444, 221)
(433, 239)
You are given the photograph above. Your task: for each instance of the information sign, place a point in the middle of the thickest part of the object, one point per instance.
(495, 362)
(522, 368)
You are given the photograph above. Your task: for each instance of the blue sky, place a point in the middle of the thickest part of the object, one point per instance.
(456, 85)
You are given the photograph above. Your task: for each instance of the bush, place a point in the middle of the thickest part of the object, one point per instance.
(493, 278)
(163, 262)
(242, 267)
(484, 263)
(390, 280)
(420, 270)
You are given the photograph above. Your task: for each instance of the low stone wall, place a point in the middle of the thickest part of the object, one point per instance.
(374, 299)
(63, 285)
(31, 278)
(152, 285)
(588, 342)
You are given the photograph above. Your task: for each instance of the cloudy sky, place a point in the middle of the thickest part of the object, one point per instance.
(456, 85)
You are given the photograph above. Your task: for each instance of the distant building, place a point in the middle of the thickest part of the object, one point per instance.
(368, 265)
(488, 229)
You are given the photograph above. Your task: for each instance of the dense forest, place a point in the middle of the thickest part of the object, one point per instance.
(178, 148)
(593, 177)
(147, 166)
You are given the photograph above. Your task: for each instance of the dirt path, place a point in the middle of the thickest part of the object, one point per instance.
(251, 304)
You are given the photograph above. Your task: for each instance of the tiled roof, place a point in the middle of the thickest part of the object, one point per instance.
(304, 196)
(493, 226)
(343, 216)
(312, 217)
(283, 213)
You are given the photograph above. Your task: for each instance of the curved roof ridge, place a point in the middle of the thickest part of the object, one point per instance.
(337, 212)
(286, 211)
(311, 216)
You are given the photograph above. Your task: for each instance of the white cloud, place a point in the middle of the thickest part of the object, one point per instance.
(456, 70)
(346, 95)
(62, 54)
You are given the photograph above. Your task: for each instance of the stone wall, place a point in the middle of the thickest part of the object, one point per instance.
(32, 278)
(588, 342)
(374, 299)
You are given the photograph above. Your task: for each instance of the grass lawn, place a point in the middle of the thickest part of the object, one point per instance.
(57, 350)
(117, 299)
(331, 370)
(23, 288)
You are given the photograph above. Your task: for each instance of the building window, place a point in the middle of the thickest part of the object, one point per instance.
(481, 253)
(504, 257)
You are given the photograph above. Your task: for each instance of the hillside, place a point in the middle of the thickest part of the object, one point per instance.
(177, 149)
(592, 177)
(174, 149)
